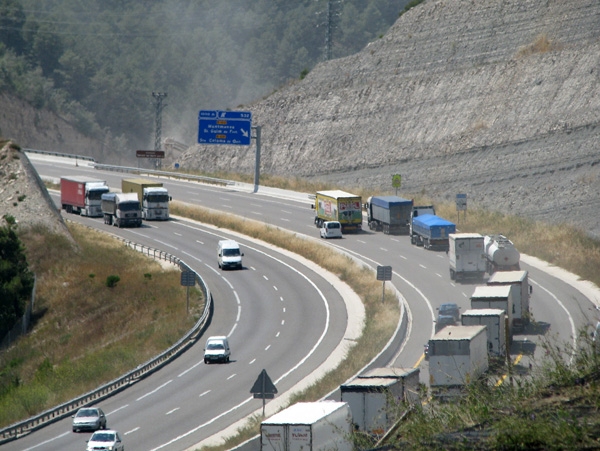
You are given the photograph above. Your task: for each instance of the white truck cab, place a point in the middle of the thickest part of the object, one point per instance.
(217, 349)
(229, 254)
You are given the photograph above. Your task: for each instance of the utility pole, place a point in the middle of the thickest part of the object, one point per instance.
(158, 96)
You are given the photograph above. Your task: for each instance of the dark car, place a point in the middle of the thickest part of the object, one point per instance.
(443, 321)
(89, 419)
(450, 309)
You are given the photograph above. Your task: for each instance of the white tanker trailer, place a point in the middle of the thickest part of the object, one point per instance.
(501, 254)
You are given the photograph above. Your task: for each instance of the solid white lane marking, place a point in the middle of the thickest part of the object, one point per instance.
(171, 411)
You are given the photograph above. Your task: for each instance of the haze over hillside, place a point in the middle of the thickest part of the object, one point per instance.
(497, 99)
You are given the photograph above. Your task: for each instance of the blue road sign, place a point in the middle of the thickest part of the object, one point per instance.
(224, 127)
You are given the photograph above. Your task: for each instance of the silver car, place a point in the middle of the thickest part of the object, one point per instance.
(105, 441)
(89, 419)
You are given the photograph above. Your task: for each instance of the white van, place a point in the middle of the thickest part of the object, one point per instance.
(217, 349)
(331, 229)
(229, 254)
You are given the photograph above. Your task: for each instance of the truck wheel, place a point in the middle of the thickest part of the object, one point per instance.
(452, 275)
(386, 229)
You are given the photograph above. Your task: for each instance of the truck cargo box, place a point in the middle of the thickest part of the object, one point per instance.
(496, 297)
(391, 214)
(466, 256)
(308, 426)
(373, 397)
(521, 294)
(494, 320)
(432, 232)
(457, 356)
(337, 205)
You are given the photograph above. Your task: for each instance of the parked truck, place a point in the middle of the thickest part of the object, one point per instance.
(466, 256)
(122, 209)
(458, 355)
(521, 294)
(501, 254)
(495, 297)
(308, 426)
(154, 198)
(432, 232)
(494, 321)
(391, 214)
(82, 195)
(373, 397)
(337, 205)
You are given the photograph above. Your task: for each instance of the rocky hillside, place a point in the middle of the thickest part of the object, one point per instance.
(498, 99)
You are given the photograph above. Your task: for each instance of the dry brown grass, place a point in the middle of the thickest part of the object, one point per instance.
(542, 44)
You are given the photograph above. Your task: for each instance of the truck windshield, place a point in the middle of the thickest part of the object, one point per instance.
(157, 198)
(96, 194)
(231, 252)
(129, 206)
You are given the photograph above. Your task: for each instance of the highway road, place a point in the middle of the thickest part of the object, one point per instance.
(420, 276)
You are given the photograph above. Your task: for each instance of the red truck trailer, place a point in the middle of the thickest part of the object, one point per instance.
(82, 195)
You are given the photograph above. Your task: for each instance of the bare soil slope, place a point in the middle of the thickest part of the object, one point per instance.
(498, 99)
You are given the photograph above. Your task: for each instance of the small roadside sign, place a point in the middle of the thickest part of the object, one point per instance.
(150, 153)
(263, 388)
(461, 202)
(396, 181)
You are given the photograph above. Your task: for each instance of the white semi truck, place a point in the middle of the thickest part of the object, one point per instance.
(308, 426)
(466, 256)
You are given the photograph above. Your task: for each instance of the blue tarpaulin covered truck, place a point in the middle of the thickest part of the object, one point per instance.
(432, 232)
(391, 214)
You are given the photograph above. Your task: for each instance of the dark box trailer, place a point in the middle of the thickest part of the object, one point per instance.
(495, 322)
(373, 397)
(308, 426)
(391, 214)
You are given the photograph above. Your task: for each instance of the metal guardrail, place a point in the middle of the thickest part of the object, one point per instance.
(59, 154)
(167, 174)
(25, 427)
(140, 171)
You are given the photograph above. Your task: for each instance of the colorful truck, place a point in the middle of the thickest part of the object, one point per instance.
(154, 198)
(336, 205)
(82, 195)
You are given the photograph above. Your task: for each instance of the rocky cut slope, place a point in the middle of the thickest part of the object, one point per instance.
(498, 99)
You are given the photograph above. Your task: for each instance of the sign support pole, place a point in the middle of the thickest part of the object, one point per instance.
(257, 159)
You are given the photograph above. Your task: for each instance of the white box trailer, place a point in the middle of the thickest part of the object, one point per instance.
(374, 397)
(498, 297)
(457, 356)
(494, 320)
(308, 426)
(466, 255)
(521, 294)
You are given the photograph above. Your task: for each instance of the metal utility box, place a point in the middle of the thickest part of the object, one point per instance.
(373, 397)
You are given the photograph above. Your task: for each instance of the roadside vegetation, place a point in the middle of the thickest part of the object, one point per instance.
(100, 310)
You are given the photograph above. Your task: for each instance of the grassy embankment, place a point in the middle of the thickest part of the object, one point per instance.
(86, 333)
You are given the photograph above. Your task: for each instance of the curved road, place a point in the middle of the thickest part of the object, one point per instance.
(421, 276)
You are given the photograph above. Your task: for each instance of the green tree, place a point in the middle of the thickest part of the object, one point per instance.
(16, 281)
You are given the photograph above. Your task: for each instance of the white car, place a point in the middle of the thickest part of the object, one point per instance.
(105, 440)
(217, 350)
(331, 229)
